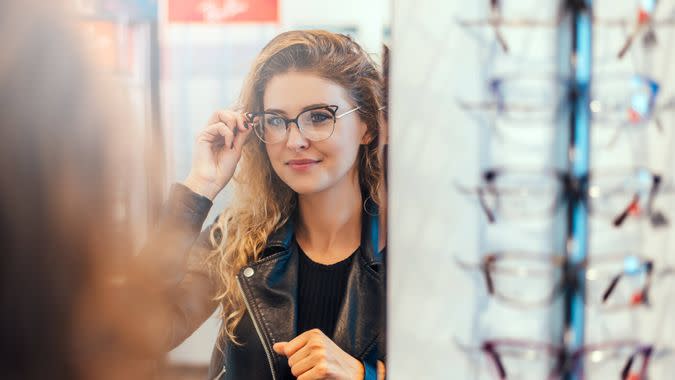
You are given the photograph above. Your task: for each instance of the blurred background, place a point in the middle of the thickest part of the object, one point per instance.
(181, 60)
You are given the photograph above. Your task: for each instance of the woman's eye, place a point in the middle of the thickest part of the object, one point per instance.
(275, 121)
(319, 117)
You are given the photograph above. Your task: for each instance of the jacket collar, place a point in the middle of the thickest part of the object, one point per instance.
(282, 238)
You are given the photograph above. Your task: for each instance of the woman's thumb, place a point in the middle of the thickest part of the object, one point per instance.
(279, 347)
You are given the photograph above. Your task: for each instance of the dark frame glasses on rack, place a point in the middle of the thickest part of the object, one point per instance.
(614, 281)
(530, 193)
(637, 356)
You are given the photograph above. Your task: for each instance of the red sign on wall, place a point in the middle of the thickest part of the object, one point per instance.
(222, 11)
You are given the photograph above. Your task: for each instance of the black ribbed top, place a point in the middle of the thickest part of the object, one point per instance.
(321, 289)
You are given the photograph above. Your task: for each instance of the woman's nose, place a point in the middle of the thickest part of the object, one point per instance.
(295, 139)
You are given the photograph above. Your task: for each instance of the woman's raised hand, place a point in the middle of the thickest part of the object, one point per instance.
(217, 151)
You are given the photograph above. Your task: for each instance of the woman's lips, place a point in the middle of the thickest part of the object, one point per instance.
(302, 165)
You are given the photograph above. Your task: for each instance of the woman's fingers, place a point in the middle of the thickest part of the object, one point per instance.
(303, 365)
(243, 130)
(236, 124)
(290, 348)
(223, 116)
(316, 373)
(218, 134)
(299, 356)
(381, 370)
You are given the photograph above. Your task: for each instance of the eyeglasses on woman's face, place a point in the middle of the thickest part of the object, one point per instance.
(316, 123)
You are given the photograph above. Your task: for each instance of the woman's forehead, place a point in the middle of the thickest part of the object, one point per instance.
(293, 91)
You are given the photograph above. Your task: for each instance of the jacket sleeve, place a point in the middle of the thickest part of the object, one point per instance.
(172, 268)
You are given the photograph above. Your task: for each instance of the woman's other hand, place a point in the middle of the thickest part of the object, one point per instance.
(314, 356)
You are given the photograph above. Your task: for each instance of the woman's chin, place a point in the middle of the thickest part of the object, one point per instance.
(305, 189)
(306, 186)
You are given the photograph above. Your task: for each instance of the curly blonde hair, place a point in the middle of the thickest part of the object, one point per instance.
(262, 201)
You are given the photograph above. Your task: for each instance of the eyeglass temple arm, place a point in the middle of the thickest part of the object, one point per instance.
(496, 21)
(464, 264)
(483, 267)
(487, 349)
(483, 204)
(625, 372)
(646, 352)
(618, 221)
(648, 265)
(465, 347)
(348, 112)
(479, 192)
(661, 108)
(356, 109)
(631, 37)
(486, 268)
(626, 45)
(490, 351)
(656, 217)
(663, 272)
(611, 287)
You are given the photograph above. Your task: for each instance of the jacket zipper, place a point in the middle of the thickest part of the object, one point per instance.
(257, 329)
(222, 371)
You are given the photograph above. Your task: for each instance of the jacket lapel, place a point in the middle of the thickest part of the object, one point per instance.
(271, 290)
(360, 320)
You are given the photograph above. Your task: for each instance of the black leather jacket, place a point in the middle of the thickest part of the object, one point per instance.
(269, 287)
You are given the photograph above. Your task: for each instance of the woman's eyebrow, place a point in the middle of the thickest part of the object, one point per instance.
(311, 106)
(274, 110)
(316, 105)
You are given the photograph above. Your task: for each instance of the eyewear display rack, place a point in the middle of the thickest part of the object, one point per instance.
(533, 171)
(571, 103)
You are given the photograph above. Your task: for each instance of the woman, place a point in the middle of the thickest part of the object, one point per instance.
(296, 261)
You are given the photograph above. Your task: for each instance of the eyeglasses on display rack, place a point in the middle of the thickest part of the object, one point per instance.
(537, 99)
(619, 103)
(515, 359)
(496, 22)
(626, 102)
(641, 24)
(522, 279)
(615, 195)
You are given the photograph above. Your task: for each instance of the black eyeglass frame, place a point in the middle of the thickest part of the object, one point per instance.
(287, 122)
